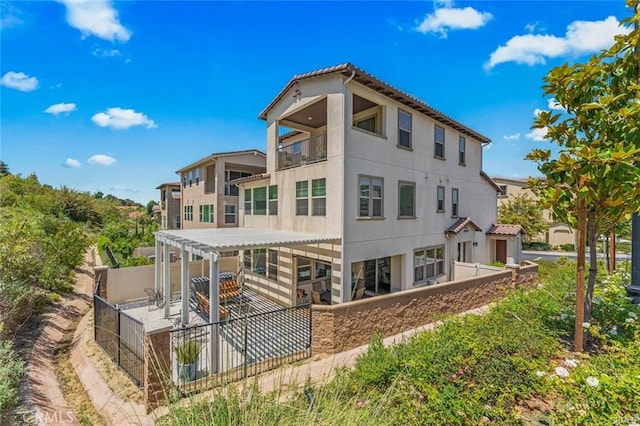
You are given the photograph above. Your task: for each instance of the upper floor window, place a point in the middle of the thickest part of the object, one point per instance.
(302, 198)
(454, 202)
(439, 142)
(370, 190)
(440, 203)
(197, 173)
(462, 148)
(230, 175)
(368, 124)
(273, 200)
(367, 115)
(318, 197)
(247, 201)
(503, 191)
(404, 129)
(260, 201)
(207, 213)
(184, 180)
(406, 200)
(190, 177)
(230, 214)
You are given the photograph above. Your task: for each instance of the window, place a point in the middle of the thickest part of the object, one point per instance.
(210, 182)
(439, 142)
(207, 213)
(406, 200)
(184, 180)
(230, 175)
(441, 199)
(247, 260)
(503, 191)
(370, 196)
(230, 214)
(190, 177)
(302, 198)
(247, 201)
(462, 147)
(454, 202)
(273, 199)
(404, 129)
(198, 176)
(428, 263)
(304, 269)
(260, 201)
(177, 221)
(259, 259)
(188, 213)
(272, 270)
(368, 124)
(318, 197)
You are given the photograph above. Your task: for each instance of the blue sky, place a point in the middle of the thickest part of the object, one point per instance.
(116, 96)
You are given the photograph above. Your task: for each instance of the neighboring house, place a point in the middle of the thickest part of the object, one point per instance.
(170, 212)
(397, 182)
(557, 234)
(208, 200)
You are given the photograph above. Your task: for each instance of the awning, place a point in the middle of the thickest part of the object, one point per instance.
(204, 241)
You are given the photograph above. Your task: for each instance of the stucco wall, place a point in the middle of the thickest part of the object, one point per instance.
(156, 370)
(338, 328)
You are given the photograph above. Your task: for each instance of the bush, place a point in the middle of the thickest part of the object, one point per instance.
(535, 245)
(567, 247)
(11, 370)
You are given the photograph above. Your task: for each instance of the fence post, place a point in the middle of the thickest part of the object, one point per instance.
(118, 336)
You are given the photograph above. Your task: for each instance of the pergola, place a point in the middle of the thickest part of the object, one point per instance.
(208, 244)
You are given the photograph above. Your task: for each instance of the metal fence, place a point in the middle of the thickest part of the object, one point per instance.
(234, 349)
(121, 337)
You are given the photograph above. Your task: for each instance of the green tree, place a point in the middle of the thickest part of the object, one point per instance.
(593, 182)
(150, 205)
(4, 168)
(524, 211)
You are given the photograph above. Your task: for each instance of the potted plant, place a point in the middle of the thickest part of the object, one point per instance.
(187, 354)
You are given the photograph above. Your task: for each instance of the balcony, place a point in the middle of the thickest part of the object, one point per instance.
(299, 153)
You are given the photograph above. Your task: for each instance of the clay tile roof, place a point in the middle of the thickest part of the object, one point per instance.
(460, 224)
(368, 80)
(505, 230)
(251, 178)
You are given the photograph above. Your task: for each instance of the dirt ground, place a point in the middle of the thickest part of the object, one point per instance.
(51, 391)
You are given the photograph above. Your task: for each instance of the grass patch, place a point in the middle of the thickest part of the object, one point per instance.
(510, 366)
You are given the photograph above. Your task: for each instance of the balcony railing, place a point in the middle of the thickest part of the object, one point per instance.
(303, 152)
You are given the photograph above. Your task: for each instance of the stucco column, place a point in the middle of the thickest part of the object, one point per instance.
(158, 270)
(214, 309)
(166, 276)
(184, 283)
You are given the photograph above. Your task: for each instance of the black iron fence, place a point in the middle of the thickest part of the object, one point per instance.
(303, 152)
(120, 336)
(213, 354)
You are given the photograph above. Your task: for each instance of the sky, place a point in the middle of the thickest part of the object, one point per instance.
(115, 97)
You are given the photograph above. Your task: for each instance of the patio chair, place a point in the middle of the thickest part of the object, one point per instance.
(359, 293)
(156, 301)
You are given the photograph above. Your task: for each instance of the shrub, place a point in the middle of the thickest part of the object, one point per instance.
(11, 370)
(567, 247)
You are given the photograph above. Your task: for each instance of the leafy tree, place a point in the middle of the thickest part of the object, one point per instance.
(524, 211)
(594, 181)
(4, 168)
(150, 205)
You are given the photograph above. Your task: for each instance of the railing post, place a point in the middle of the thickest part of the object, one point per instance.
(118, 334)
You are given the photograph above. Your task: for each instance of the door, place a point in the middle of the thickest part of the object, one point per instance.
(501, 251)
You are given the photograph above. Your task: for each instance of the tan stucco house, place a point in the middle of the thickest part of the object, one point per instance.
(399, 184)
(169, 208)
(208, 200)
(557, 234)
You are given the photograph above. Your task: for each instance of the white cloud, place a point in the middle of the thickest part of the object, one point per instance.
(445, 17)
(101, 160)
(105, 53)
(537, 134)
(19, 81)
(124, 189)
(71, 162)
(513, 137)
(96, 18)
(581, 37)
(554, 105)
(118, 118)
(9, 16)
(61, 108)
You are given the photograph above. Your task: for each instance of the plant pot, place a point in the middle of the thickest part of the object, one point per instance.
(187, 372)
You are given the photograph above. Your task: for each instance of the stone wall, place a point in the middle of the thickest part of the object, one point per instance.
(157, 361)
(337, 328)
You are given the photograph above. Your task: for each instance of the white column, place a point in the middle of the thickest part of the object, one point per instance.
(167, 280)
(184, 283)
(214, 309)
(158, 270)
